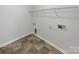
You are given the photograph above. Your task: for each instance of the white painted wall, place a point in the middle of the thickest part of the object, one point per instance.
(68, 38)
(15, 21)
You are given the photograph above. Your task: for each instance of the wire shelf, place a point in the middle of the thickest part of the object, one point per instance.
(65, 12)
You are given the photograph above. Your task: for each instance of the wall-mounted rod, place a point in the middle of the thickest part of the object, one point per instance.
(53, 13)
(53, 9)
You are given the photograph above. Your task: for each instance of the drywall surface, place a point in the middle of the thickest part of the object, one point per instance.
(15, 21)
(66, 38)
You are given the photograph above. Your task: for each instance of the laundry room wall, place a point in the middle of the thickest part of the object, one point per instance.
(66, 38)
(15, 21)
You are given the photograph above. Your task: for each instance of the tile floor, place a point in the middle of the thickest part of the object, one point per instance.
(29, 45)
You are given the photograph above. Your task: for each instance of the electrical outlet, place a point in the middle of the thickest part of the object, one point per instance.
(35, 31)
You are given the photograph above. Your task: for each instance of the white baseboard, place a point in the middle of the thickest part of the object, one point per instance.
(15, 39)
(51, 43)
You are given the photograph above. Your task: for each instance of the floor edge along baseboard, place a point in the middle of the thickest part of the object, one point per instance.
(47, 41)
(51, 43)
(15, 39)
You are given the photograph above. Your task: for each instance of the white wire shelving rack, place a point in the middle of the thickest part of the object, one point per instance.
(64, 12)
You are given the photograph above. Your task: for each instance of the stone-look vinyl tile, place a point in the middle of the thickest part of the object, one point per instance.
(29, 45)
